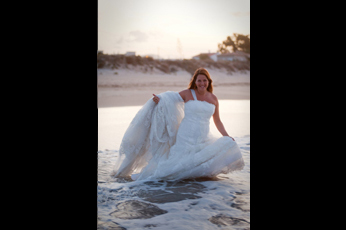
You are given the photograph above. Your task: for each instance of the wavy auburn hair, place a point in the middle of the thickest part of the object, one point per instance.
(192, 84)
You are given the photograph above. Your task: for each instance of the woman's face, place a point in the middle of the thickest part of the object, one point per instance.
(202, 82)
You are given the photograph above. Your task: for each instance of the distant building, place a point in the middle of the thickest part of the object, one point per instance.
(130, 54)
(212, 56)
(235, 56)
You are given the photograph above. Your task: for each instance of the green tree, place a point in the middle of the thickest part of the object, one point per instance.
(236, 42)
(243, 42)
(223, 47)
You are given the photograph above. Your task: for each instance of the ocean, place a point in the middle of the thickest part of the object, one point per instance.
(222, 202)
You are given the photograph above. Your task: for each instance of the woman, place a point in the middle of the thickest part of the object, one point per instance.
(169, 138)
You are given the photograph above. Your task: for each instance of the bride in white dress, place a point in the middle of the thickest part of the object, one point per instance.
(169, 138)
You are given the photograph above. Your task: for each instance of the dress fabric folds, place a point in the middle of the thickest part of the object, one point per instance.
(171, 140)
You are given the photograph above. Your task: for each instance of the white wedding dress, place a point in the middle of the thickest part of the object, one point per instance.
(167, 142)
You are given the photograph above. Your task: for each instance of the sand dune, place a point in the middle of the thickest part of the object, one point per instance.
(126, 87)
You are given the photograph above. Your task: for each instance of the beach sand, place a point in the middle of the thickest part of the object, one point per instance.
(131, 87)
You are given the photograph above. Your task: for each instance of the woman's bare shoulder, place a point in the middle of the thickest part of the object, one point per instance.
(214, 98)
(184, 92)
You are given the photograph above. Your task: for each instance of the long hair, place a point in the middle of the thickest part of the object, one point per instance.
(192, 84)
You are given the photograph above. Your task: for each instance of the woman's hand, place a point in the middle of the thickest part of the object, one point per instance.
(232, 138)
(156, 99)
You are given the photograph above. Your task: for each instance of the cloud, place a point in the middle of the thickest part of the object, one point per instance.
(137, 36)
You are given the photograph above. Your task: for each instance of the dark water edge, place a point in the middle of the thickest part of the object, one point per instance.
(132, 200)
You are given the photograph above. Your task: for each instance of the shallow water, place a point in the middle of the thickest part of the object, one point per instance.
(222, 202)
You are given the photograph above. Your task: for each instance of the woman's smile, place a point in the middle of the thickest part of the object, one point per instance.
(202, 82)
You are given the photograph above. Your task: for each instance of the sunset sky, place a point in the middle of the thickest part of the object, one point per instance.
(156, 27)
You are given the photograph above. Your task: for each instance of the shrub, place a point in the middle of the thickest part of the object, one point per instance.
(163, 67)
(172, 69)
(131, 60)
(100, 63)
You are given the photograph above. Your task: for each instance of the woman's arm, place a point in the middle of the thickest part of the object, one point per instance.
(156, 99)
(183, 94)
(218, 122)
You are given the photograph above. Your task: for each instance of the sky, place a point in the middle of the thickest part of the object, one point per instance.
(169, 29)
